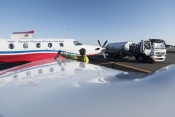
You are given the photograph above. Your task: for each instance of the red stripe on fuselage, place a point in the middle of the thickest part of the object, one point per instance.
(25, 57)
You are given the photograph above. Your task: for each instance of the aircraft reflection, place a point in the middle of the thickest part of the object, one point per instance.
(32, 73)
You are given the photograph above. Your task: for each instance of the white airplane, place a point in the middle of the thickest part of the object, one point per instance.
(69, 88)
(28, 50)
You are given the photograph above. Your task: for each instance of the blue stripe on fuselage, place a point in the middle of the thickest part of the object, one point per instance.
(31, 51)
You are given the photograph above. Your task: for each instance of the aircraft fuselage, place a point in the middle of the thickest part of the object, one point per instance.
(28, 50)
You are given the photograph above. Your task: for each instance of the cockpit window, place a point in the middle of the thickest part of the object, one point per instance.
(77, 43)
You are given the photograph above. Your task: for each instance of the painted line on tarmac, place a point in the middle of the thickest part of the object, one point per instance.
(147, 71)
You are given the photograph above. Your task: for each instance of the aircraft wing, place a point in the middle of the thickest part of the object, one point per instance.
(69, 88)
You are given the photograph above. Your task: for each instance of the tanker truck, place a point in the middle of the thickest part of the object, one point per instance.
(151, 49)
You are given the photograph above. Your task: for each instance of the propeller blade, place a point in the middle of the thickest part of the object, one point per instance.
(104, 43)
(104, 55)
(99, 43)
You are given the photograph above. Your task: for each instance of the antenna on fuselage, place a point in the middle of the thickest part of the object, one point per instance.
(65, 30)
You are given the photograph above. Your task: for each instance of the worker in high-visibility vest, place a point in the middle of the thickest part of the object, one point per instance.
(82, 58)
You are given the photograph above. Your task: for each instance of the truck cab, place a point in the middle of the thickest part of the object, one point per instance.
(153, 49)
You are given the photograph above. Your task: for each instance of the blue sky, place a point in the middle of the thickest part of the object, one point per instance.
(90, 20)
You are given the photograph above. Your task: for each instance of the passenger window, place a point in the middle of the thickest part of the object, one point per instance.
(49, 45)
(77, 43)
(11, 46)
(38, 45)
(25, 45)
(61, 44)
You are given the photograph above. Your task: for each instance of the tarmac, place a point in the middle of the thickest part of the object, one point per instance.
(128, 64)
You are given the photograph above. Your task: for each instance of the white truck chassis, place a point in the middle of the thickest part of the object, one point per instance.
(152, 49)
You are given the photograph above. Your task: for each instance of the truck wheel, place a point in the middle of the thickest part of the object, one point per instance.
(140, 58)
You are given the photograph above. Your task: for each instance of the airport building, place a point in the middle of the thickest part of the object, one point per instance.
(22, 35)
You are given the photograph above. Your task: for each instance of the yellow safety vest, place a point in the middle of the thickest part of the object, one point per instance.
(83, 58)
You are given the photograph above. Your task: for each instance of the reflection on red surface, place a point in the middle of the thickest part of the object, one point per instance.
(31, 64)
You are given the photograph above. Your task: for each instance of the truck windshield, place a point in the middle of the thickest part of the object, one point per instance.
(158, 45)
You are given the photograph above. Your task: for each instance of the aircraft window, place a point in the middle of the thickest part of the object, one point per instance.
(49, 45)
(38, 45)
(61, 44)
(51, 69)
(11, 46)
(77, 43)
(28, 73)
(25, 45)
(15, 76)
(62, 69)
(40, 71)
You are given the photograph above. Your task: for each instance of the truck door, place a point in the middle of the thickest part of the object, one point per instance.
(147, 47)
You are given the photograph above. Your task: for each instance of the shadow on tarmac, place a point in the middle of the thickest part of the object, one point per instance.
(120, 59)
